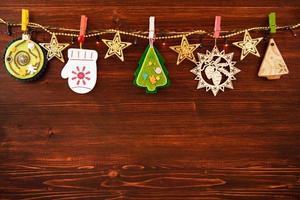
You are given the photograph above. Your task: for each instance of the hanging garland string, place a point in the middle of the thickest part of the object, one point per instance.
(139, 34)
(215, 70)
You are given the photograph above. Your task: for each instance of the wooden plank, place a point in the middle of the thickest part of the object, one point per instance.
(142, 182)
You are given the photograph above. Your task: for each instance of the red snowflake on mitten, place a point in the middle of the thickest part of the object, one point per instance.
(81, 75)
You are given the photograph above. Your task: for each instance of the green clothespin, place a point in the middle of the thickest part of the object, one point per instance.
(272, 22)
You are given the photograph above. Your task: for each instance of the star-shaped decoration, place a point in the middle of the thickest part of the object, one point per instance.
(31, 69)
(116, 46)
(185, 50)
(54, 49)
(248, 45)
(215, 71)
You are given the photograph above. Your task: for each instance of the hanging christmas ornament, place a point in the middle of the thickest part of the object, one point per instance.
(116, 46)
(151, 72)
(54, 48)
(273, 65)
(23, 58)
(215, 70)
(81, 68)
(248, 45)
(185, 50)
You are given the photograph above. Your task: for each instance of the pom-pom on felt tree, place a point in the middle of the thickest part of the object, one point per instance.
(151, 72)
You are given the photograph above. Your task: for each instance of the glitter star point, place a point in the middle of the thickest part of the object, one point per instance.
(54, 49)
(116, 46)
(185, 50)
(248, 45)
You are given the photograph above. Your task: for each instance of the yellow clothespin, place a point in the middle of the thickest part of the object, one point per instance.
(25, 20)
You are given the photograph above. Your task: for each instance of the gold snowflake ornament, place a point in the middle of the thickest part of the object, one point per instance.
(185, 50)
(215, 71)
(116, 46)
(54, 49)
(248, 45)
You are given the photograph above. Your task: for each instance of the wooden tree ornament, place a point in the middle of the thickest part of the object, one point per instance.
(273, 65)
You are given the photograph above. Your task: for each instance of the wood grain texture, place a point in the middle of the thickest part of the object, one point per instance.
(119, 143)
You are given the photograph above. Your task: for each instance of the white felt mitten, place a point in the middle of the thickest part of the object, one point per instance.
(81, 70)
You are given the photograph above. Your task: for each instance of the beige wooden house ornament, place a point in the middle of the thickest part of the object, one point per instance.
(273, 65)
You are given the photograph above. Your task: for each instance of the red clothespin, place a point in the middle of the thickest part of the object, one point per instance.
(83, 25)
(217, 28)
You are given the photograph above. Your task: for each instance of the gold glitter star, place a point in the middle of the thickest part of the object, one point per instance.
(54, 48)
(248, 45)
(185, 50)
(116, 46)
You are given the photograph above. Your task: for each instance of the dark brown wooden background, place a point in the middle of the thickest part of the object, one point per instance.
(119, 143)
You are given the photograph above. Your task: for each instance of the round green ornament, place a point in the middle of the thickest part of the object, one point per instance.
(24, 59)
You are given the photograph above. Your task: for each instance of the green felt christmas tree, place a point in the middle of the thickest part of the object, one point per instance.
(151, 72)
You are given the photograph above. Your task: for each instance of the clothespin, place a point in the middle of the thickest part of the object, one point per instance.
(8, 29)
(272, 22)
(151, 30)
(83, 26)
(25, 20)
(217, 28)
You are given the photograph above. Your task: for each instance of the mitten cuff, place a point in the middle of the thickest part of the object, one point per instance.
(82, 54)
